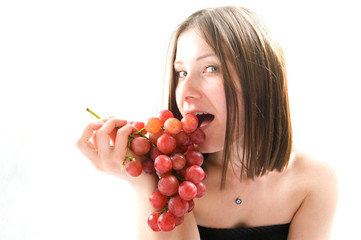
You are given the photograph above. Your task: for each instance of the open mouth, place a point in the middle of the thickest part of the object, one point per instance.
(204, 119)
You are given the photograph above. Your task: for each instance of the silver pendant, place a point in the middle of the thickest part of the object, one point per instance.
(238, 201)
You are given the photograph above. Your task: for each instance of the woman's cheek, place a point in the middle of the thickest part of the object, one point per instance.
(178, 100)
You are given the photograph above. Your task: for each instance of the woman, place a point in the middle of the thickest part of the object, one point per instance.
(225, 66)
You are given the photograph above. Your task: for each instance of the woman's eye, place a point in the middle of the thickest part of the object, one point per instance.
(211, 69)
(181, 74)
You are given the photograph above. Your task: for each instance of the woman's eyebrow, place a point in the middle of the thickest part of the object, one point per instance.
(198, 58)
(205, 56)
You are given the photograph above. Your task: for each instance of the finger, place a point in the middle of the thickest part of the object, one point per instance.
(94, 138)
(88, 131)
(113, 134)
(84, 145)
(94, 141)
(106, 118)
(121, 141)
(103, 134)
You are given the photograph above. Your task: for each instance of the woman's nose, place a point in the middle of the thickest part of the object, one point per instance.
(189, 87)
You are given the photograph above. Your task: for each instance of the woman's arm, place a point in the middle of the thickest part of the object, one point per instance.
(187, 230)
(314, 218)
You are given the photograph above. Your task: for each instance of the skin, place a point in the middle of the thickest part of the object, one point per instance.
(200, 87)
(303, 194)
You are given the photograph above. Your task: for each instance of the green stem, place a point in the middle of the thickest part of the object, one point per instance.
(93, 113)
(164, 209)
(142, 135)
(128, 156)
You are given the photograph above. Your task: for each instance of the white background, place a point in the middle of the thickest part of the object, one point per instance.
(59, 57)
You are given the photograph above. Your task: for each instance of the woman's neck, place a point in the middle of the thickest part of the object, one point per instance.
(234, 168)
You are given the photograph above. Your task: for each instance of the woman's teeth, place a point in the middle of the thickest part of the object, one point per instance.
(204, 118)
(199, 113)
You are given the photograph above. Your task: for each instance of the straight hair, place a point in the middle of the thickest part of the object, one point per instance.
(238, 35)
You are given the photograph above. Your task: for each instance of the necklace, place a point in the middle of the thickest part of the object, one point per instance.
(238, 201)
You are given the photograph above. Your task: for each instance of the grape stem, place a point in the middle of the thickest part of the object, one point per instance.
(142, 135)
(93, 113)
(128, 156)
(164, 209)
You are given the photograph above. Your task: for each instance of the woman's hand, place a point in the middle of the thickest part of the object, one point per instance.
(105, 143)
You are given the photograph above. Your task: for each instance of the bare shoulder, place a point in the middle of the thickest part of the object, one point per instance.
(314, 217)
(315, 172)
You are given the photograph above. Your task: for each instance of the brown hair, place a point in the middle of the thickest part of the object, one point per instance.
(238, 35)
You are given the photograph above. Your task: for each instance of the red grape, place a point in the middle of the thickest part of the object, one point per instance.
(187, 190)
(153, 125)
(139, 125)
(163, 164)
(181, 173)
(179, 220)
(182, 138)
(194, 158)
(172, 126)
(164, 115)
(153, 137)
(133, 168)
(190, 148)
(153, 221)
(140, 146)
(201, 189)
(169, 150)
(197, 136)
(194, 174)
(180, 149)
(158, 200)
(168, 185)
(177, 206)
(154, 153)
(205, 178)
(166, 143)
(191, 205)
(189, 123)
(178, 161)
(166, 222)
(148, 166)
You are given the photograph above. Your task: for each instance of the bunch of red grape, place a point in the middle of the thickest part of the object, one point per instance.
(168, 147)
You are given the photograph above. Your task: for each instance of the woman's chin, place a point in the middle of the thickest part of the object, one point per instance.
(209, 148)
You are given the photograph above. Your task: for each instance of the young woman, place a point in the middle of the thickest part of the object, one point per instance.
(225, 66)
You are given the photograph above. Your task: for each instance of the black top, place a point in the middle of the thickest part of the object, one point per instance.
(274, 232)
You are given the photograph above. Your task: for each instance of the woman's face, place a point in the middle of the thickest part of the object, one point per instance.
(200, 88)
